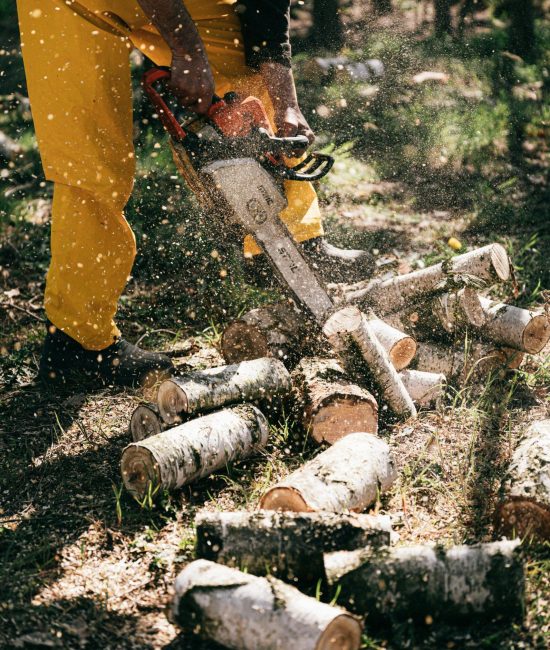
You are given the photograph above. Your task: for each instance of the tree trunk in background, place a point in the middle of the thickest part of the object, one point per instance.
(382, 6)
(442, 17)
(327, 29)
(521, 31)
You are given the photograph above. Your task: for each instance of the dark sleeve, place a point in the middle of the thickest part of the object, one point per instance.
(265, 27)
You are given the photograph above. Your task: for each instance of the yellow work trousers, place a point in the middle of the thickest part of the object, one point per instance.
(78, 76)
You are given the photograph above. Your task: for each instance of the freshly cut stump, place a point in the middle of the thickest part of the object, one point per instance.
(430, 583)
(489, 264)
(353, 338)
(525, 507)
(145, 421)
(476, 360)
(423, 387)
(206, 390)
(515, 327)
(245, 612)
(279, 331)
(328, 404)
(350, 475)
(288, 545)
(193, 450)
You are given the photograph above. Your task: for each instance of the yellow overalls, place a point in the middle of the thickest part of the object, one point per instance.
(78, 76)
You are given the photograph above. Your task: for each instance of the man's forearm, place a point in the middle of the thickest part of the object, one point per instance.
(175, 25)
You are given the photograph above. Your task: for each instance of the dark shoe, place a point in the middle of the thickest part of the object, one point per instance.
(121, 364)
(335, 264)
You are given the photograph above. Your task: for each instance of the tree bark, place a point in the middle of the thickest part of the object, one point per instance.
(350, 333)
(515, 327)
(350, 475)
(488, 264)
(328, 404)
(145, 421)
(286, 544)
(524, 509)
(206, 390)
(278, 331)
(245, 612)
(442, 17)
(424, 387)
(327, 31)
(477, 360)
(417, 582)
(193, 450)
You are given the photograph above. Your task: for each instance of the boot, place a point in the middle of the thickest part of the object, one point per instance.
(332, 264)
(121, 364)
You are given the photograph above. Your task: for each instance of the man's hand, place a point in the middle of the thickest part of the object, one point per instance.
(191, 76)
(289, 119)
(192, 82)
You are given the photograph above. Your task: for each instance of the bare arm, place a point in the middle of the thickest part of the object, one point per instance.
(191, 77)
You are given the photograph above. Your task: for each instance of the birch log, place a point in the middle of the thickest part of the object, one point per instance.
(400, 347)
(245, 612)
(423, 387)
(279, 331)
(475, 360)
(524, 509)
(488, 264)
(193, 450)
(353, 338)
(350, 475)
(430, 583)
(328, 404)
(206, 390)
(515, 327)
(288, 545)
(145, 421)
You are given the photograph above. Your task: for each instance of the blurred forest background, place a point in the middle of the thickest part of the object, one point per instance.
(437, 113)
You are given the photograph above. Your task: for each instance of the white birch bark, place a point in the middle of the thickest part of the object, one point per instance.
(524, 509)
(416, 582)
(350, 475)
(206, 390)
(328, 404)
(400, 347)
(424, 387)
(515, 327)
(245, 612)
(349, 331)
(193, 450)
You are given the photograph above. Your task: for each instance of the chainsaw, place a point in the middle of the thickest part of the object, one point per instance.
(236, 167)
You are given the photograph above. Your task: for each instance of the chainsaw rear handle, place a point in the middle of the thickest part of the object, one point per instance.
(166, 116)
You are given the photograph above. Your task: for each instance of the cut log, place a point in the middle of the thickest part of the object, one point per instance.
(349, 332)
(193, 450)
(488, 264)
(524, 509)
(145, 421)
(423, 387)
(282, 332)
(350, 475)
(206, 390)
(245, 612)
(288, 545)
(430, 583)
(515, 327)
(278, 331)
(459, 309)
(328, 404)
(474, 360)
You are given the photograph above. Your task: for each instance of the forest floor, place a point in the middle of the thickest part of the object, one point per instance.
(83, 565)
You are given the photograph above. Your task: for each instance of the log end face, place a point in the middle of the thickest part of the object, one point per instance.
(341, 417)
(139, 470)
(500, 262)
(536, 334)
(403, 353)
(284, 498)
(243, 342)
(342, 633)
(172, 402)
(523, 518)
(144, 423)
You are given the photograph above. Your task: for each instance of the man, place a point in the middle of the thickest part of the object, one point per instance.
(78, 76)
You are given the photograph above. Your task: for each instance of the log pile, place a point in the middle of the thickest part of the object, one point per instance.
(417, 334)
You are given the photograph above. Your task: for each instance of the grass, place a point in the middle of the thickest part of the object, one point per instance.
(82, 563)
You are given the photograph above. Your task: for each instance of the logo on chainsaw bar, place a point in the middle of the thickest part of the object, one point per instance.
(255, 208)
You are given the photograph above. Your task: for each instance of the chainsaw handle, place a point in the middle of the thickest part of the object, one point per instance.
(166, 116)
(314, 167)
(286, 146)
